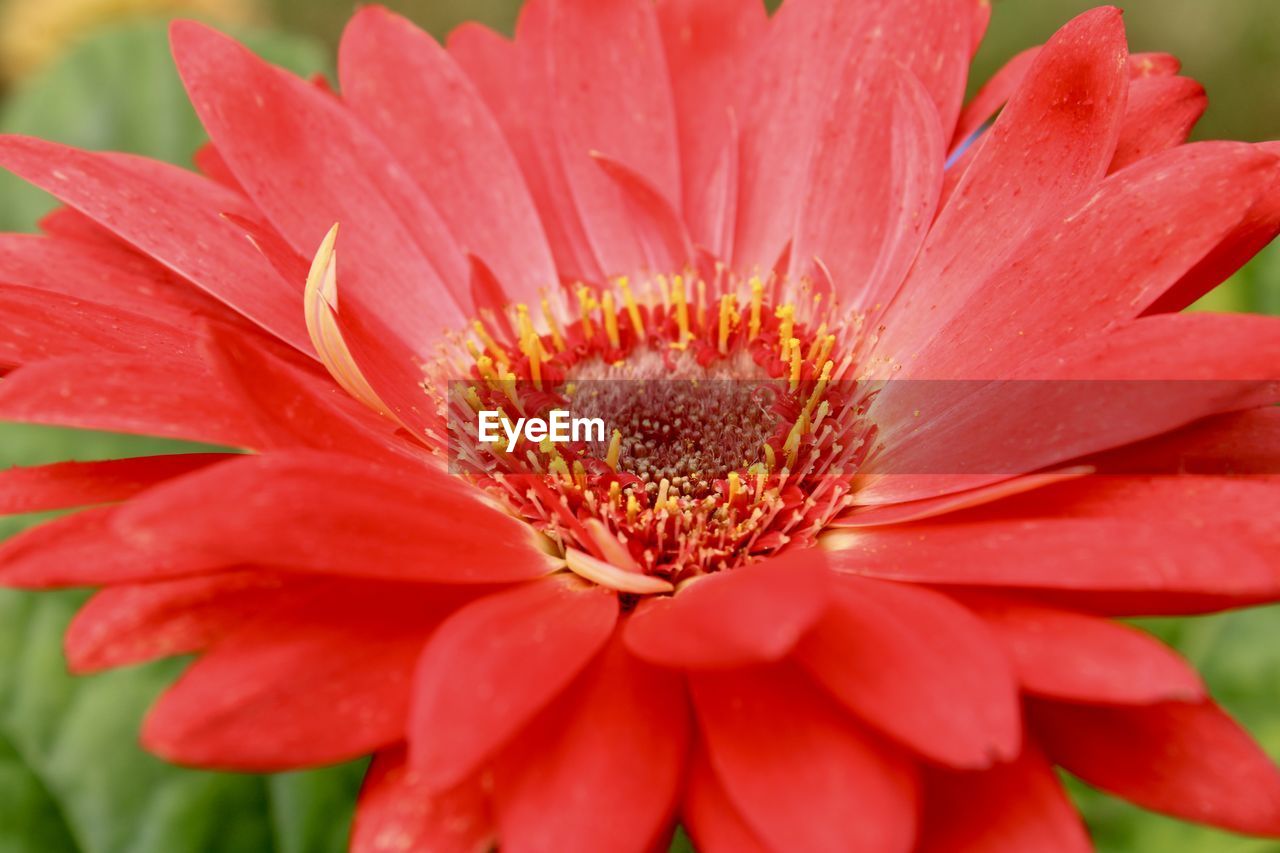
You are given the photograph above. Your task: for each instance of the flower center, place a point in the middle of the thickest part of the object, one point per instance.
(678, 421)
(727, 432)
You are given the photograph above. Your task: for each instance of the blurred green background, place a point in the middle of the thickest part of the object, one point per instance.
(96, 73)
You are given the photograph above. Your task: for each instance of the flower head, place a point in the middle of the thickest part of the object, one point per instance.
(890, 440)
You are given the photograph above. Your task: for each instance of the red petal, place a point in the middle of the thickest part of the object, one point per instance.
(404, 85)
(809, 47)
(656, 223)
(172, 215)
(495, 664)
(397, 812)
(900, 513)
(617, 102)
(1081, 658)
(71, 484)
(512, 78)
(1253, 233)
(992, 96)
(602, 764)
(325, 680)
(1162, 111)
(107, 274)
(794, 766)
(709, 45)
(299, 407)
(713, 822)
(732, 619)
(1054, 139)
(334, 514)
(40, 325)
(1188, 760)
(920, 668)
(874, 183)
(279, 134)
(132, 394)
(1101, 392)
(83, 550)
(1070, 554)
(140, 622)
(1237, 443)
(1019, 806)
(1103, 262)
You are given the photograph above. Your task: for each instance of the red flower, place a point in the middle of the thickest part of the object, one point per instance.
(844, 641)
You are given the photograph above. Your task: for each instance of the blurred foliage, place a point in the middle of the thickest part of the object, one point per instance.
(33, 32)
(71, 775)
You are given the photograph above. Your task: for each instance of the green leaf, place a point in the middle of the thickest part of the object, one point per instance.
(119, 91)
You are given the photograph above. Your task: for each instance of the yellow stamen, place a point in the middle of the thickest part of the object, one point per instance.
(735, 485)
(525, 325)
(615, 492)
(819, 337)
(728, 316)
(535, 361)
(472, 399)
(757, 299)
(682, 308)
(797, 363)
(824, 350)
(615, 449)
(770, 460)
(820, 388)
(702, 305)
(787, 314)
(663, 487)
(557, 337)
(633, 310)
(558, 466)
(610, 319)
(490, 344)
(586, 303)
(633, 508)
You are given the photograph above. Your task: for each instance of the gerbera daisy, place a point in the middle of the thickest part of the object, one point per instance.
(848, 615)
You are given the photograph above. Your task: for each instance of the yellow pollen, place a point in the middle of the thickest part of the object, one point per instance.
(633, 310)
(484, 364)
(633, 508)
(735, 485)
(615, 491)
(770, 461)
